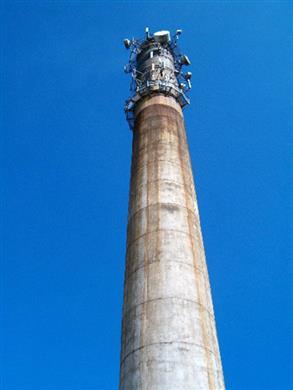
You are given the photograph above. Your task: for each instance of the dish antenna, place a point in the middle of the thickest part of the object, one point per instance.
(127, 43)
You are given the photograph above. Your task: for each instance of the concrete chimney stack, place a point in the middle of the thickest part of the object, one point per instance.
(169, 339)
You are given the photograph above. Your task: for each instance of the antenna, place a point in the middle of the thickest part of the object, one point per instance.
(155, 64)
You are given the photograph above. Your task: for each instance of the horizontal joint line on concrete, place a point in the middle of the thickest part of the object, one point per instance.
(172, 162)
(161, 203)
(156, 143)
(201, 306)
(160, 115)
(212, 371)
(165, 262)
(155, 116)
(161, 230)
(164, 343)
(192, 194)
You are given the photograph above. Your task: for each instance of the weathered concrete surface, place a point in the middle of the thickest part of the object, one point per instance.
(169, 338)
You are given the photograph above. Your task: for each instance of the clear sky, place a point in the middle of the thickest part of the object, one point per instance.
(66, 151)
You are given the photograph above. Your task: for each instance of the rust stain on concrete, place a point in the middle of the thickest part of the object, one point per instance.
(169, 339)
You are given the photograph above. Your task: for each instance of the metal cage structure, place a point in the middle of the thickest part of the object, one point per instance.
(156, 66)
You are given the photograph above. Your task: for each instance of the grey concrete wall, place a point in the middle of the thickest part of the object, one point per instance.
(169, 338)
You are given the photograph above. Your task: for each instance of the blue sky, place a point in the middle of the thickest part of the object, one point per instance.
(66, 151)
